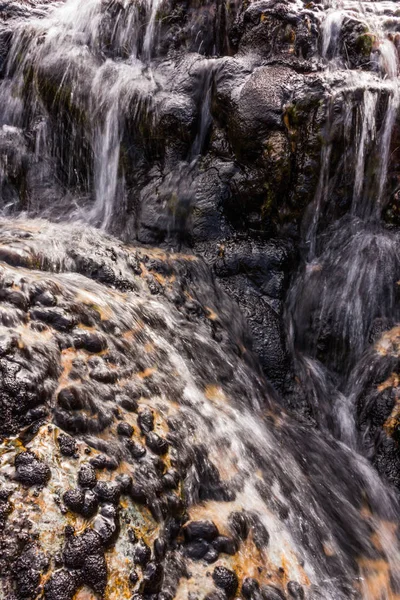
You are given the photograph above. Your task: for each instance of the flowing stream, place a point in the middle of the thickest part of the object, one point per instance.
(86, 79)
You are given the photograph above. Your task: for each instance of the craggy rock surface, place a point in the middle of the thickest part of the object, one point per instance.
(140, 454)
(220, 138)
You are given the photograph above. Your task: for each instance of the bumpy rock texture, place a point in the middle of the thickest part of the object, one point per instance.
(143, 452)
(219, 144)
(140, 453)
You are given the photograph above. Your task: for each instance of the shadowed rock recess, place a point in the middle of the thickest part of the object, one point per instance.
(199, 300)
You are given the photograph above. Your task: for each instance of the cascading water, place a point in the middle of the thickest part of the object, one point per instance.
(177, 456)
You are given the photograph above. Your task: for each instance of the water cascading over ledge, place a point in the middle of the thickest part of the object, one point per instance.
(144, 454)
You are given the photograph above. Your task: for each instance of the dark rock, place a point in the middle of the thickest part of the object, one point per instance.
(124, 429)
(108, 491)
(30, 470)
(78, 548)
(146, 420)
(239, 525)
(205, 530)
(87, 476)
(211, 556)
(102, 461)
(94, 573)
(141, 553)
(156, 443)
(89, 341)
(135, 449)
(61, 586)
(197, 549)
(90, 504)
(225, 545)
(295, 590)
(133, 577)
(74, 500)
(152, 577)
(127, 402)
(226, 580)
(67, 444)
(251, 589)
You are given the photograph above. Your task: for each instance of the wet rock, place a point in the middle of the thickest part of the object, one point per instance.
(135, 449)
(156, 443)
(239, 524)
(106, 524)
(74, 500)
(127, 402)
(124, 429)
(90, 504)
(205, 530)
(102, 461)
(146, 420)
(89, 341)
(67, 444)
(87, 476)
(251, 589)
(226, 580)
(108, 491)
(70, 398)
(197, 549)
(61, 586)
(211, 556)
(30, 470)
(141, 553)
(78, 548)
(170, 480)
(133, 577)
(56, 317)
(295, 590)
(269, 592)
(225, 545)
(152, 578)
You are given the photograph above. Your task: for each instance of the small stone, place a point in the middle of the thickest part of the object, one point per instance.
(206, 530)
(211, 556)
(197, 549)
(170, 480)
(127, 403)
(102, 461)
(141, 553)
(74, 500)
(152, 577)
(146, 420)
(239, 525)
(30, 470)
(226, 580)
(124, 429)
(133, 577)
(225, 544)
(295, 590)
(90, 504)
(270, 592)
(135, 449)
(108, 491)
(87, 476)
(67, 444)
(124, 481)
(156, 443)
(250, 588)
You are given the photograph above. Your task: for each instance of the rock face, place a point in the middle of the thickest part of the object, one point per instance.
(146, 449)
(141, 456)
(192, 123)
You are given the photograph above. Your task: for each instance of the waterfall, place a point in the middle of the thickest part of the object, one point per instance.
(140, 438)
